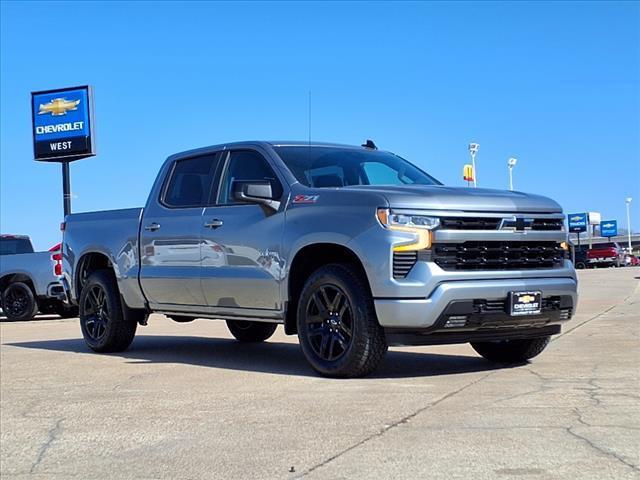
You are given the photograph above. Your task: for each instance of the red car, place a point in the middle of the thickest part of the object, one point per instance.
(632, 261)
(606, 254)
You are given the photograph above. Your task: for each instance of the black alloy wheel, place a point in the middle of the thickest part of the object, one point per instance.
(106, 326)
(18, 302)
(330, 322)
(337, 325)
(96, 312)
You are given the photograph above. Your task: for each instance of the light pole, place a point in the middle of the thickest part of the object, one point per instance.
(511, 163)
(473, 149)
(628, 202)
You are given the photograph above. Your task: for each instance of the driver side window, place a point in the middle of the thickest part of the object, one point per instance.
(246, 165)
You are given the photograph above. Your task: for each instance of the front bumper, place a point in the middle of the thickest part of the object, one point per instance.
(428, 314)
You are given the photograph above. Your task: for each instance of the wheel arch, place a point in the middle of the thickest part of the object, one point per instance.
(88, 263)
(14, 277)
(307, 260)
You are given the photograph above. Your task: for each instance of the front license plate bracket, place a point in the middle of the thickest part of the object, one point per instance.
(525, 303)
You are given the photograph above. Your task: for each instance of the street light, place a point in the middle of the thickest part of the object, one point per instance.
(511, 163)
(628, 202)
(473, 149)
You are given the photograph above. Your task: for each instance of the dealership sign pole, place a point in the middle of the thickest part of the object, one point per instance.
(62, 123)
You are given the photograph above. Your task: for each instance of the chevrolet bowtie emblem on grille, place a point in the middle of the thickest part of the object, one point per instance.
(58, 106)
(518, 224)
(526, 299)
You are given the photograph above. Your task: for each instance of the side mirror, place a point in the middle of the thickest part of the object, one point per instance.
(255, 191)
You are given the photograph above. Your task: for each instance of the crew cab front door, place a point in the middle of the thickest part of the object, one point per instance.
(170, 237)
(241, 242)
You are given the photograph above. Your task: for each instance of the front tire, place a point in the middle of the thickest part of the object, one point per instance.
(511, 351)
(104, 326)
(18, 302)
(338, 329)
(251, 332)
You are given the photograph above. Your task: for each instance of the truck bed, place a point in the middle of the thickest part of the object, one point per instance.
(112, 233)
(37, 266)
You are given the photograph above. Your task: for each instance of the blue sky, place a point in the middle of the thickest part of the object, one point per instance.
(556, 85)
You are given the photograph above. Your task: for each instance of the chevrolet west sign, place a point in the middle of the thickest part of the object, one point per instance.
(62, 124)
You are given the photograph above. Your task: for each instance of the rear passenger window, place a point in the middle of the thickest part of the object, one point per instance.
(190, 182)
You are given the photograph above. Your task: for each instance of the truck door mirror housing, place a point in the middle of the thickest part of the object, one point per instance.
(255, 191)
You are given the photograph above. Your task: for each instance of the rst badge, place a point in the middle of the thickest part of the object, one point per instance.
(62, 124)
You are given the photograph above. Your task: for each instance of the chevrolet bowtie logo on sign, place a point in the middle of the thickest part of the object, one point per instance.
(58, 106)
(62, 124)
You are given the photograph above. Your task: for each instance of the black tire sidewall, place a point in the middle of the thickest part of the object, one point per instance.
(31, 308)
(249, 331)
(351, 363)
(512, 351)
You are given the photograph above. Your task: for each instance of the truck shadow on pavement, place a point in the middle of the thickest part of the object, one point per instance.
(267, 357)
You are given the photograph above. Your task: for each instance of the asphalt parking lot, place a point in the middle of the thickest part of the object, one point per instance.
(186, 401)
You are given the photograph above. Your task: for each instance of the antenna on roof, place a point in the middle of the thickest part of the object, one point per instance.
(309, 117)
(369, 144)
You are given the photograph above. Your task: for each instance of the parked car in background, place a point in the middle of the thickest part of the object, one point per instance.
(580, 258)
(606, 255)
(29, 280)
(631, 260)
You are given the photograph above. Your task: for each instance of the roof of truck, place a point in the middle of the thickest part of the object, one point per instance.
(263, 143)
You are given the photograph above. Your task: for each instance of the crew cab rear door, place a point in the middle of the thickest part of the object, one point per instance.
(170, 237)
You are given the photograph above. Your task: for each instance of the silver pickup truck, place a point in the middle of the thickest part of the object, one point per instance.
(351, 248)
(28, 280)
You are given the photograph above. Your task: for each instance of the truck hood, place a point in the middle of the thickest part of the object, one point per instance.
(440, 197)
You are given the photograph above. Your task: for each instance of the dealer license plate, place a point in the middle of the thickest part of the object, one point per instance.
(526, 303)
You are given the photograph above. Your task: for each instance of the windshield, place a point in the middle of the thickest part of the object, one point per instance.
(323, 167)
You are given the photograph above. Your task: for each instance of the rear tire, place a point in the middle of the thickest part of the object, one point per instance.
(511, 351)
(181, 318)
(18, 302)
(251, 332)
(104, 326)
(338, 329)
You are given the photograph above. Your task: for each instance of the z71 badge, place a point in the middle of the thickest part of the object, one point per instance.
(306, 198)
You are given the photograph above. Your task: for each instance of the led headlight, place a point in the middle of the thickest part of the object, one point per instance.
(419, 225)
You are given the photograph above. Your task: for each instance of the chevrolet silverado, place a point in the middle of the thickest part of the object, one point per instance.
(351, 248)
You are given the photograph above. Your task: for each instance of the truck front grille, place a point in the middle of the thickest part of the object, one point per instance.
(487, 255)
(403, 262)
(492, 223)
